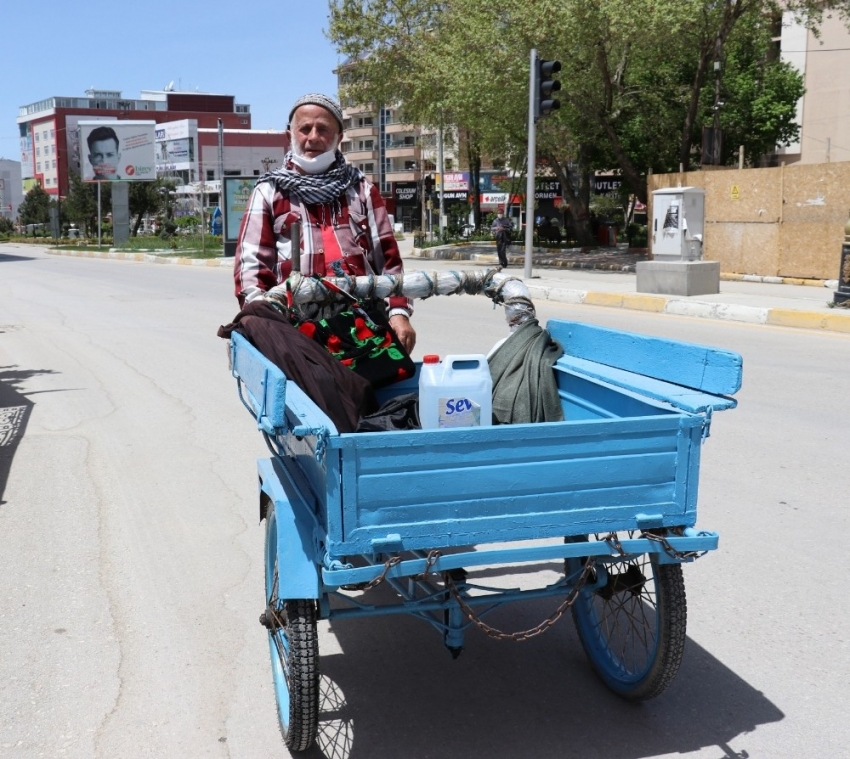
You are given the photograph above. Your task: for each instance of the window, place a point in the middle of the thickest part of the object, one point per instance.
(256, 172)
(38, 167)
(44, 134)
(243, 121)
(53, 164)
(52, 133)
(367, 145)
(37, 137)
(210, 175)
(47, 181)
(38, 151)
(367, 168)
(365, 121)
(410, 165)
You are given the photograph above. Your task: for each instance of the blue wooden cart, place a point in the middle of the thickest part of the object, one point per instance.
(609, 496)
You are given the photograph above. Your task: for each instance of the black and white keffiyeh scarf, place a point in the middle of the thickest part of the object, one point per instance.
(313, 189)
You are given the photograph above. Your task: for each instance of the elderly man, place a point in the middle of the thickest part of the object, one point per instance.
(345, 226)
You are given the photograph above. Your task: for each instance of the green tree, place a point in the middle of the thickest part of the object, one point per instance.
(35, 207)
(759, 95)
(80, 204)
(637, 77)
(150, 198)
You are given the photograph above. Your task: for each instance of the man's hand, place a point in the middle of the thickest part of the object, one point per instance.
(405, 333)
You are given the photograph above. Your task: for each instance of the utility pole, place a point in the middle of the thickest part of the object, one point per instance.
(441, 169)
(716, 146)
(532, 163)
(541, 87)
(98, 215)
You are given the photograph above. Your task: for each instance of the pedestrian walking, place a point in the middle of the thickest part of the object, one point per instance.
(502, 227)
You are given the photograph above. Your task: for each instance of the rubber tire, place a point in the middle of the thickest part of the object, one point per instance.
(294, 649)
(644, 659)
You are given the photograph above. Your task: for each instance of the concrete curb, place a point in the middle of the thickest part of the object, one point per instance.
(150, 258)
(780, 317)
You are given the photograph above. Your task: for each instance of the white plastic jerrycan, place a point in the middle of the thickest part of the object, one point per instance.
(455, 392)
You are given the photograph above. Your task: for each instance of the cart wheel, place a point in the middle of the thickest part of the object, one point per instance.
(633, 627)
(294, 649)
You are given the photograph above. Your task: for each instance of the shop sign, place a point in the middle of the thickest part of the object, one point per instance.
(406, 193)
(547, 189)
(457, 181)
(605, 184)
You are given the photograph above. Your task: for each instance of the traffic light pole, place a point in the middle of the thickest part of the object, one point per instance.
(532, 163)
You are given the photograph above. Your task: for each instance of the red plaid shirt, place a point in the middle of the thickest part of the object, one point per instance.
(356, 232)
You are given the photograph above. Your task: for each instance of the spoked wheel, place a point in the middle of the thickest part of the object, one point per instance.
(294, 649)
(632, 625)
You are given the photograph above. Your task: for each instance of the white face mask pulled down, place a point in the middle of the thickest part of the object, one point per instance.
(318, 165)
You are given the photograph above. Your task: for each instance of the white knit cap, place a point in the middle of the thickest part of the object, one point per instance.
(315, 98)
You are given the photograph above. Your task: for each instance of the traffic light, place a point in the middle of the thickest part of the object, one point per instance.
(546, 85)
(429, 184)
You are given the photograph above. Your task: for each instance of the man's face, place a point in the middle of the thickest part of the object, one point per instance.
(313, 131)
(104, 158)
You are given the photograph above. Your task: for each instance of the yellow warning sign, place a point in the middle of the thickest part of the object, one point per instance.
(735, 192)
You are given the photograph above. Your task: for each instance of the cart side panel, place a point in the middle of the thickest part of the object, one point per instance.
(299, 549)
(700, 367)
(450, 488)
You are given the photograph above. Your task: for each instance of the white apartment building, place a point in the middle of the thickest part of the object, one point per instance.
(11, 194)
(824, 110)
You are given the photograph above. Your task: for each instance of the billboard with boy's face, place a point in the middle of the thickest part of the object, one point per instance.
(117, 151)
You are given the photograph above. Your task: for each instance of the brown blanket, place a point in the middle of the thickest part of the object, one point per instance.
(343, 395)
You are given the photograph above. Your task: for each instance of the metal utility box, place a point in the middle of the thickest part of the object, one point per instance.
(678, 217)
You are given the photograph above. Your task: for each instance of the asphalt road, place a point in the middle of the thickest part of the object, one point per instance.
(131, 553)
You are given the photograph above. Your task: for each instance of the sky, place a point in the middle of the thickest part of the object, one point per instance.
(266, 54)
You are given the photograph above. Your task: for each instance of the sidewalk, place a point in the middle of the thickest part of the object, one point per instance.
(758, 300)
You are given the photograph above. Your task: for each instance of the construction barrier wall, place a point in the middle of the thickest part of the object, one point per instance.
(781, 222)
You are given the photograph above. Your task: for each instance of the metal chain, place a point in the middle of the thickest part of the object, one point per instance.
(430, 560)
(614, 543)
(670, 551)
(518, 637)
(388, 565)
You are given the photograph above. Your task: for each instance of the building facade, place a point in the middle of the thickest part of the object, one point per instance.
(11, 195)
(823, 112)
(196, 158)
(49, 131)
(399, 156)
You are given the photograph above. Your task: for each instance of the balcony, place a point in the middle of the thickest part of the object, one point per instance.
(357, 110)
(353, 156)
(394, 127)
(400, 150)
(401, 175)
(355, 132)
